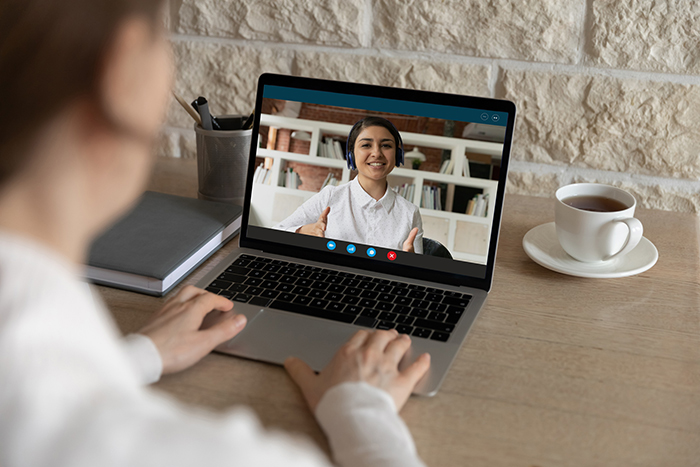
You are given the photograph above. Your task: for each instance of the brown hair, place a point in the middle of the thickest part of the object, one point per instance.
(50, 54)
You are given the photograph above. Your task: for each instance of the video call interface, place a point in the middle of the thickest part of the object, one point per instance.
(438, 207)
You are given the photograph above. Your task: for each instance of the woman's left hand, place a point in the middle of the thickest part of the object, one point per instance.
(175, 330)
(408, 244)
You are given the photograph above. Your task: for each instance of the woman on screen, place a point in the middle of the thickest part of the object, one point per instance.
(366, 210)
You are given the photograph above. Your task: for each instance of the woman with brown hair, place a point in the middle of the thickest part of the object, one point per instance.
(85, 86)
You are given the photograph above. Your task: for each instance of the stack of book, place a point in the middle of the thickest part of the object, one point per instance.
(405, 190)
(291, 179)
(330, 148)
(431, 198)
(478, 206)
(330, 180)
(448, 167)
(262, 175)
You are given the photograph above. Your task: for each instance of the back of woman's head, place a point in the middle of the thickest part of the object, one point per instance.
(51, 54)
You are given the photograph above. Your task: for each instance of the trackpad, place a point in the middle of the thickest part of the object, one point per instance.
(273, 336)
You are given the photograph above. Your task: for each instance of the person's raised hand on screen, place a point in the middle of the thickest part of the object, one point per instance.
(369, 356)
(408, 244)
(318, 228)
(175, 329)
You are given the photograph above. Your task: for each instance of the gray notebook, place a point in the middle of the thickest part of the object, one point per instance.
(160, 242)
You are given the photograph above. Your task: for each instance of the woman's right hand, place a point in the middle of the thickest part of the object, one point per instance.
(318, 228)
(372, 357)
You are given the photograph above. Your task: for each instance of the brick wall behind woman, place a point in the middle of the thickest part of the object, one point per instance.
(606, 91)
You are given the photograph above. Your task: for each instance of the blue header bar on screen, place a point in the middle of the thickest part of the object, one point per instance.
(379, 104)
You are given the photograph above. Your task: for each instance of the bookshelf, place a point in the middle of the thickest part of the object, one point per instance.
(466, 236)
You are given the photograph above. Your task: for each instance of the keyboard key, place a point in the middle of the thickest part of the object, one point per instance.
(286, 297)
(420, 303)
(385, 297)
(416, 294)
(365, 321)
(302, 273)
(231, 277)
(213, 290)
(308, 282)
(367, 303)
(383, 288)
(271, 268)
(416, 287)
(254, 290)
(260, 301)
(335, 306)
(385, 325)
(269, 284)
(257, 265)
(370, 313)
(349, 299)
(253, 281)
(249, 257)
(440, 336)
(318, 303)
(242, 297)
(269, 294)
(241, 262)
(288, 279)
(285, 287)
(345, 274)
(435, 326)
(238, 288)
(309, 311)
(365, 285)
(353, 291)
(302, 300)
(453, 318)
(383, 306)
(402, 309)
(434, 291)
(387, 316)
(334, 297)
(403, 319)
(419, 313)
(237, 270)
(420, 332)
(433, 297)
(222, 285)
(317, 276)
(317, 293)
(369, 294)
(264, 260)
(350, 282)
(403, 329)
(286, 270)
(403, 300)
(227, 294)
(460, 302)
(273, 276)
(301, 290)
(437, 307)
(320, 285)
(435, 316)
(334, 279)
(401, 291)
(336, 288)
(353, 309)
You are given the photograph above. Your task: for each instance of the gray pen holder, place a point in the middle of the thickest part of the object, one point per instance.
(222, 162)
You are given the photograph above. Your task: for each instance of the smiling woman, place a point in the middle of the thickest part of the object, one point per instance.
(365, 210)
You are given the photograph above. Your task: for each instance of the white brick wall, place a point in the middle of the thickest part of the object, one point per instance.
(606, 90)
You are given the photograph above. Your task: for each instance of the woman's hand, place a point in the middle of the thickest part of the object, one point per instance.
(372, 357)
(408, 244)
(175, 329)
(317, 229)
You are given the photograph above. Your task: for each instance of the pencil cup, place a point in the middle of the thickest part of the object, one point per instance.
(222, 161)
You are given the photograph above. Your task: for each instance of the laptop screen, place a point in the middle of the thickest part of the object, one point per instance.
(392, 180)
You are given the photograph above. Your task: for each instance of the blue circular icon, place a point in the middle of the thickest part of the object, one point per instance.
(371, 252)
(484, 116)
(351, 248)
(331, 245)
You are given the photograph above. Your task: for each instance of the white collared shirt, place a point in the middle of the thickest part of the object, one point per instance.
(70, 396)
(357, 217)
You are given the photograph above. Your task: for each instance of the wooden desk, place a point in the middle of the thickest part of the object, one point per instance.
(557, 370)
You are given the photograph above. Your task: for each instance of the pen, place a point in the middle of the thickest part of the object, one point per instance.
(188, 108)
(208, 122)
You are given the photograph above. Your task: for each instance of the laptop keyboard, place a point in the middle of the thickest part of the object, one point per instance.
(419, 311)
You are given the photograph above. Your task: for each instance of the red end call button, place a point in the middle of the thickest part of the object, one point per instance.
(391, 255)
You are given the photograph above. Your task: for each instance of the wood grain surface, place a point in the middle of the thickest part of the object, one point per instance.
(557, 370)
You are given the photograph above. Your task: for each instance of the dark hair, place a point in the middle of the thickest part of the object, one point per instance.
(51, 53)
(368, 122)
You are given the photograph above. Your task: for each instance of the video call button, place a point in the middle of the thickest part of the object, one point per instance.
(391, 256)
(495, 118)
(351, 248)
(331, 245)
(371, 252)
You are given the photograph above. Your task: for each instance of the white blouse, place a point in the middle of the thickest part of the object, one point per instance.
(72, 393)
(357, 217)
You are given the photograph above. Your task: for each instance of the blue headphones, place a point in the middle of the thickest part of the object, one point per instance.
(350, 157)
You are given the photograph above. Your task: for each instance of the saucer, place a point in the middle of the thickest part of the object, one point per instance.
(542, 246)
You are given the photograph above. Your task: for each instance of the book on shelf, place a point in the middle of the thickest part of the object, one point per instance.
(478, 206)
(330, 180)
(291, 179)
(432, 197)
(158, 243)
(262, 175)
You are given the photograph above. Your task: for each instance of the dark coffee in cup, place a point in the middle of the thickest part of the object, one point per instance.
(595, 203)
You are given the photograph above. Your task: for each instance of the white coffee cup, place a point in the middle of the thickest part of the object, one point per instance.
(593, 236)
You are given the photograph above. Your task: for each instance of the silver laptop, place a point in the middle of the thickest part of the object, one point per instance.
(305, 295)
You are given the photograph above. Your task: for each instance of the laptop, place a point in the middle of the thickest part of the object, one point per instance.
(306, 295)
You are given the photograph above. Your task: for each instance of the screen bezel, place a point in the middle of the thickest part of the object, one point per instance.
(402, 270)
